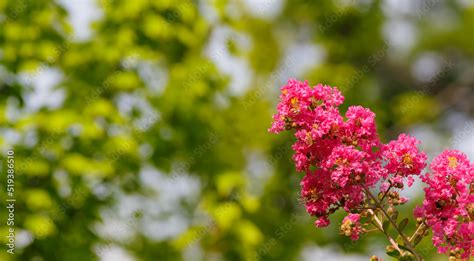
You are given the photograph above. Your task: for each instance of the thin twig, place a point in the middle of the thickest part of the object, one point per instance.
(379, 226)
(404, 238)
(371, 230)
(386, 192)
(422, 224)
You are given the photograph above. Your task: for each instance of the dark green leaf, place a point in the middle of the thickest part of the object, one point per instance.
(401, 246)
(391, 251)
(394, 216)
(417, 240)
(386, 225)
(403, 224)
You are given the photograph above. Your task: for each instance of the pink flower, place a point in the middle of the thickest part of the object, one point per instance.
(351, 226)
(453, 163)
(294, 102)
(347, 164)
(403, 159)
(323, 197)
(449, 203)
(322, 222)
(360, 130)
(341, 158)
(304, 106)
(316, 196)
(330, 96)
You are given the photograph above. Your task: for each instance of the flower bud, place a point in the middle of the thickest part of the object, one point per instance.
(390, 210)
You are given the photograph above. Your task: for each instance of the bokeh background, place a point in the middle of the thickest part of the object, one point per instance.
(140, 127)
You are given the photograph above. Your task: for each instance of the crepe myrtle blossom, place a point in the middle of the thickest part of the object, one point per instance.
(448, 207)
(360, 130)
(404, 159)
(298, 103)
(321, 198)
(347, 167)
(351, 226)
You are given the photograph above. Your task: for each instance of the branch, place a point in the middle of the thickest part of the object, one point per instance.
(386, 192)
(379, 226)
(420, 227)
(404, 238)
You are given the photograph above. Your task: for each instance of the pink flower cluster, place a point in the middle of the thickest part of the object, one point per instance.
(403, 160)
(351, 226)
(341, 156)
(449, 203)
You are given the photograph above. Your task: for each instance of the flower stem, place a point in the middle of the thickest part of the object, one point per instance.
(404, 238)
(386, 192)
(421, 226)
(379, 226)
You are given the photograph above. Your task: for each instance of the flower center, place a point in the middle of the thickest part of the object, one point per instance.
(453, 162)
(342, 162)
(312, 195)
(407, 160)
(295, 104)
(309, 138)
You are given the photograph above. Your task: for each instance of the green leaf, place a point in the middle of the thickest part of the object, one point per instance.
(399, 240)
(391, 251)
(402, 246)
(403, 224)
(394, 216)
(417, 240)
(407, 258)
(386, 225)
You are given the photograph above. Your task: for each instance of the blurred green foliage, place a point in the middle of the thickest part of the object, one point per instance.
(196, 125)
